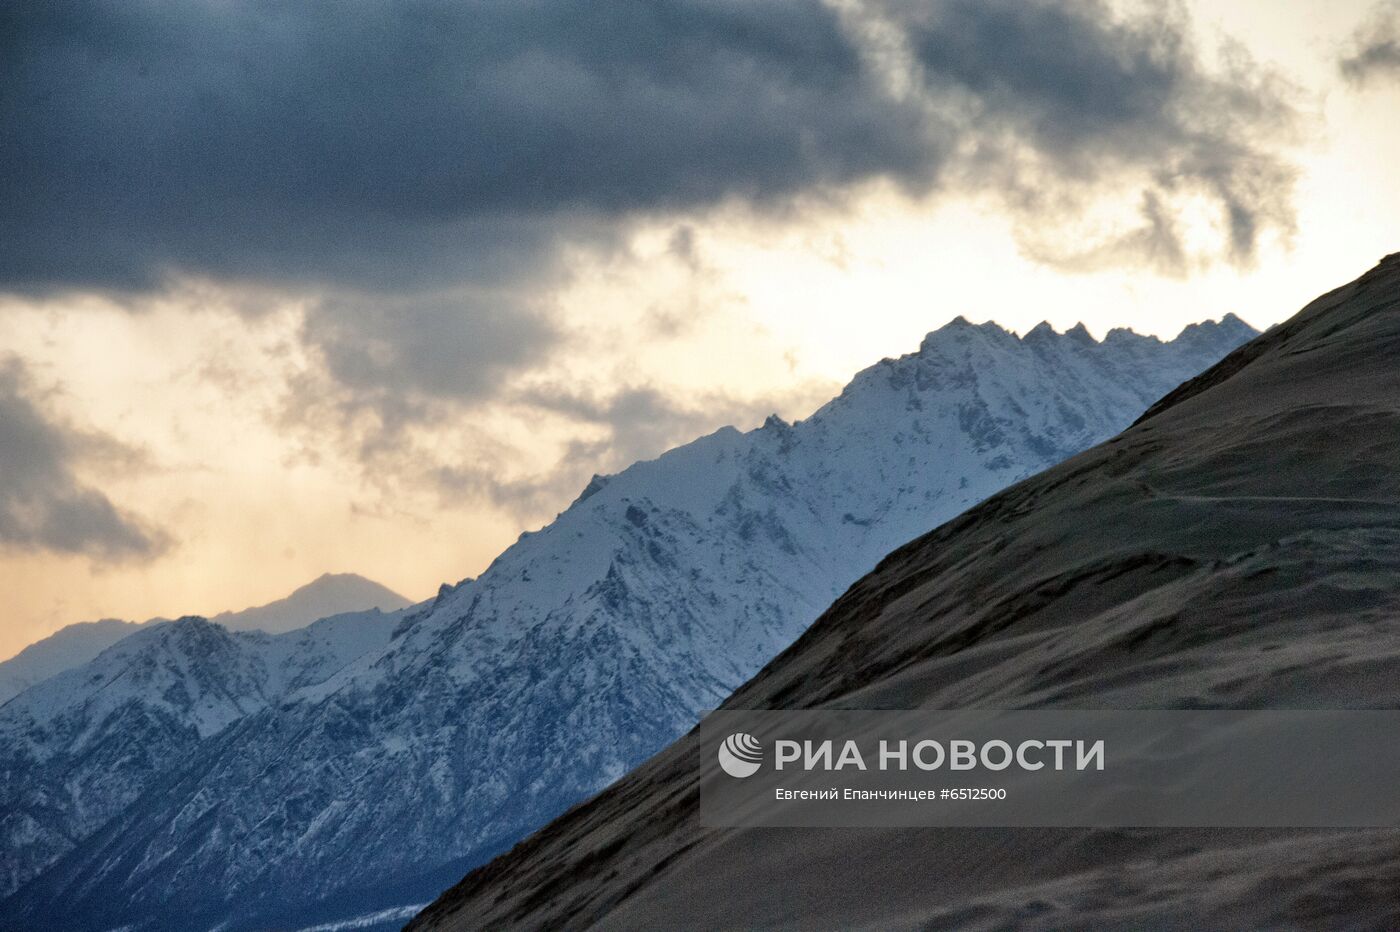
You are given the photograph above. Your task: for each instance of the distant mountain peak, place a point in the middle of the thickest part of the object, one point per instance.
(339, 582)
(1229, 328)
(959, 329)
(1080, 333)
(1230, 323)
(326, 595)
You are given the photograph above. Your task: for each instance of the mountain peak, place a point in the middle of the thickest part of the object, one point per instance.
(1080, 334)
(1120, 335)
(960, 327)
(326, 595)
(331, 582)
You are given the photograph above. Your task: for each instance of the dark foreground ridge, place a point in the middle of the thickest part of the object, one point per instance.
(1238, 548)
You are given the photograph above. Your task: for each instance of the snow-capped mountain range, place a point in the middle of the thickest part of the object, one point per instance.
(76, 644)
(78, 748)
(584, 648)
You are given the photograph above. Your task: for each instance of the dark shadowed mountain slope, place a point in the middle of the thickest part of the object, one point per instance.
(591, 644)
(1238, 547)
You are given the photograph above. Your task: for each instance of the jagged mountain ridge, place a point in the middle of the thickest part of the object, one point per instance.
(78, 748)
(76, 644)
(1239, 547)
(587, 646)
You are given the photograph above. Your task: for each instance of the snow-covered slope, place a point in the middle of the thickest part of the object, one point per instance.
(79, 747)
(589, 645)
(74, 645)
(1238, 548)
(65, 649)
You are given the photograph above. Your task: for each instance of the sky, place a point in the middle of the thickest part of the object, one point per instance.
(345, 286)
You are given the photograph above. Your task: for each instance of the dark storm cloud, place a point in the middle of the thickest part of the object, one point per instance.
(1374, 50)
(397, 354)
(42, 504)
(1059, 97)
(371, 142)
(399, 145)
(417, 169)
